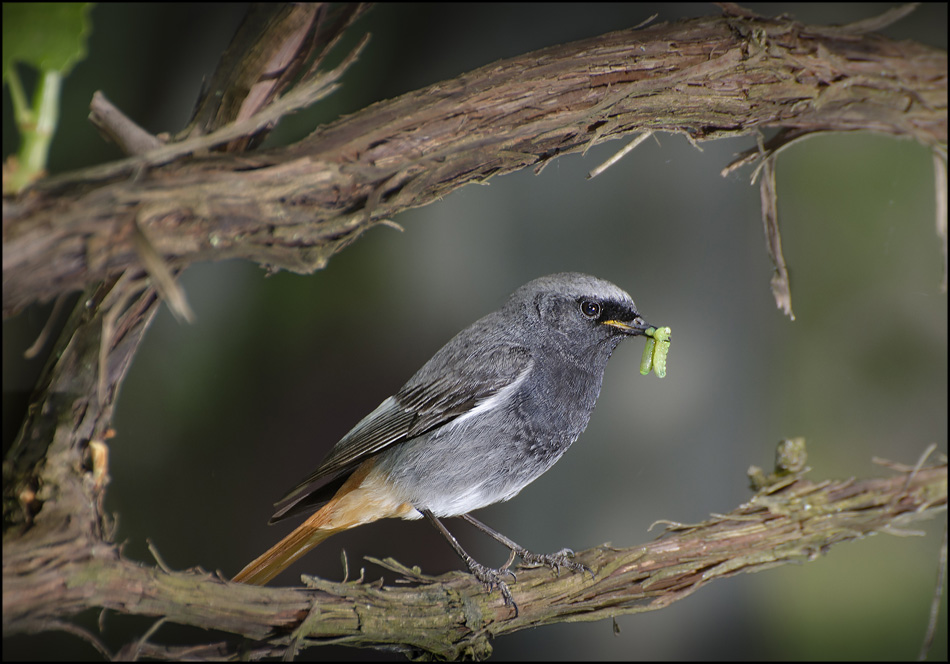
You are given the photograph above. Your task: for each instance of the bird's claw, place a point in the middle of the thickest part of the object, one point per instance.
(562, 558)
(493, 578)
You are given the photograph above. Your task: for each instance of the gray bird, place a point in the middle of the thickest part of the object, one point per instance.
(489, 413)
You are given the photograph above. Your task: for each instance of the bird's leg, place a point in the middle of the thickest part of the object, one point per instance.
(492, 578)
(555, 561)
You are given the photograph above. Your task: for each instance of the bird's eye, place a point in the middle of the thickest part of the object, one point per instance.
(590, 308)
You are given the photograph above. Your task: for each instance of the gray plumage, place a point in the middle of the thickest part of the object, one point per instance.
(494, 408)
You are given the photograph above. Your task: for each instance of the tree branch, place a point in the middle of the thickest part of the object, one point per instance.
(452, 616)
(294, 207)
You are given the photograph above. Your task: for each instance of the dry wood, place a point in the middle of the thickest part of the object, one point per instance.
(452, 616)
(294, 207)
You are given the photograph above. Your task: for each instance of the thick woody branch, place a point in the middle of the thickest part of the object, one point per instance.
(294, 207)
(452, 616)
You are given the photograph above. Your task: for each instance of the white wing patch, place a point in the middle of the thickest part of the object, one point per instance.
(494, 400)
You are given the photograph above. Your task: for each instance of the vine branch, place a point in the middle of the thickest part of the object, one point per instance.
(110, 231)
(452, 616)
(294, 207)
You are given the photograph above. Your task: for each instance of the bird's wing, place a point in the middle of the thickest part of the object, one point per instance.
(430, 399)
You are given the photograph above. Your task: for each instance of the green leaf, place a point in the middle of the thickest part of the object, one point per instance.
(48, 36)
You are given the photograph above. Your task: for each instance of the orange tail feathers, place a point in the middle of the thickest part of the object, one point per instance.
(365, 497)
(280, 556)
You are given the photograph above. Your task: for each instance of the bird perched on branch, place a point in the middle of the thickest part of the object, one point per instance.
(489, 413)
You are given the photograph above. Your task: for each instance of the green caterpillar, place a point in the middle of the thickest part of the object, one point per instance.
(646, 360)
(655, 351)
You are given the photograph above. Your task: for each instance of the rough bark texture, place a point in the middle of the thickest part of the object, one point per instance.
(104, 229)
(452, 616)
(294, 207)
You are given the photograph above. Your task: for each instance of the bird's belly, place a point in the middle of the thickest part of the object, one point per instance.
(456, 470)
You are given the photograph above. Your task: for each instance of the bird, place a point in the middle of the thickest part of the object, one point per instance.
(489, 413)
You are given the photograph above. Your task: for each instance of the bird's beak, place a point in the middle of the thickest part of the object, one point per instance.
(636, 327)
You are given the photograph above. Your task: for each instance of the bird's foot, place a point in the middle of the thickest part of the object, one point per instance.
(562, 558)
(494, 578)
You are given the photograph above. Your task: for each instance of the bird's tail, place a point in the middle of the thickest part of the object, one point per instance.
(363, 498)
(280, 556)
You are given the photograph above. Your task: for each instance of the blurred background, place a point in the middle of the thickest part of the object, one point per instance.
(218, 419)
